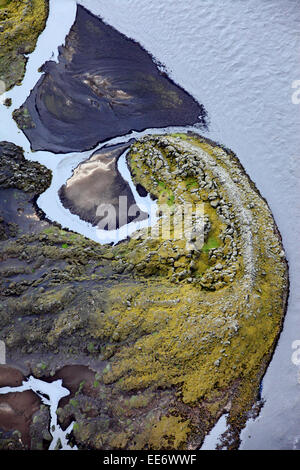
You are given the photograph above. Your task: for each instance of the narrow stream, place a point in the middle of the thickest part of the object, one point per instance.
(239, 62)
(240, 59)
(55, 391)
(62, 165)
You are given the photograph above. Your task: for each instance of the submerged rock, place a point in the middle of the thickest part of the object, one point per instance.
(103, 86)
(176, 328)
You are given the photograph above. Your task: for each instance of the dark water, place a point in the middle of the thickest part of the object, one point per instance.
(103, 86)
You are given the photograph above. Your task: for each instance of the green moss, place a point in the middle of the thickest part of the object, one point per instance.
(170, 432)
(179, 348)
(181, 335)
(21, 24)
(191, 183)
(91, 347)
(4, 3)
(23, 118)
(211, 243)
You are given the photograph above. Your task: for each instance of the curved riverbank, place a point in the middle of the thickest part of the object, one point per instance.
(237, 51)
(171, 321)
(21, 24)
(257, 154)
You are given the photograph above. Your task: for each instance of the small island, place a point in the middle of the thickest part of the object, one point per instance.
(155, 337)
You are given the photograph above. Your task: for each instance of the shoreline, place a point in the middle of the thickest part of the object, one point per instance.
(286, 305)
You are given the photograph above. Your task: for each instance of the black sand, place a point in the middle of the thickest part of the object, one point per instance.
(105, 85)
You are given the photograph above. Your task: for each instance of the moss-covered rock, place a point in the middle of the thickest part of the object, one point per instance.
(21, 22)
(39, 429)
(16, 172)
(178, 329)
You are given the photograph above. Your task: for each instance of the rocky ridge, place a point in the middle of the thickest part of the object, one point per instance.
(20, 25)
(175, 332)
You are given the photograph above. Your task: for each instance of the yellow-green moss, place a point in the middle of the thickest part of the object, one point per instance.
(21, 23)
(203, 338)
(183, 335)
(170, 432)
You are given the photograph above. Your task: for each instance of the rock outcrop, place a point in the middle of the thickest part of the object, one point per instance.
(20, 26)
(177, 330)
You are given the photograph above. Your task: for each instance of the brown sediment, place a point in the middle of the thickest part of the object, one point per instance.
(16, 411)
(10, 377)
(174, 336)
(97, 183)
(74, 378)
(17, 408)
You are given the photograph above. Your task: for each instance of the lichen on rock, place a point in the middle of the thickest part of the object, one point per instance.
(177, 332)
(16, 172)
(20, 25)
